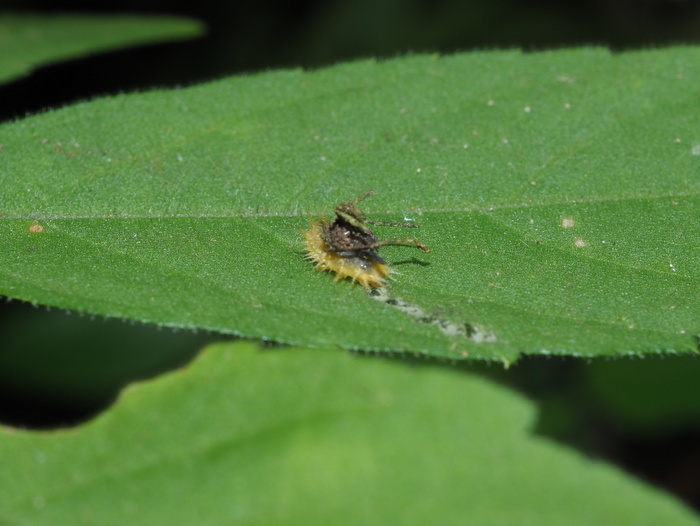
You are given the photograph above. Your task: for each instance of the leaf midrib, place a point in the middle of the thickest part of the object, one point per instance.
(306, 214)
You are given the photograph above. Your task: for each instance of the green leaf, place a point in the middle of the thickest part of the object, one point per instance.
(558, 192)
(27, 41)
(315, 437)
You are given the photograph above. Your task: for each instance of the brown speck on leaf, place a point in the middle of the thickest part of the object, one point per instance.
(36, 228)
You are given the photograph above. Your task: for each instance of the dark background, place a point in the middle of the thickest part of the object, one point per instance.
(58, 369)
(264, 34)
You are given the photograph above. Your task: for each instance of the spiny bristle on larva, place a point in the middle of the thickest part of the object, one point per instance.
(367, 272)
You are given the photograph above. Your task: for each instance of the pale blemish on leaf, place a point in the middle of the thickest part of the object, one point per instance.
(452, 329)
(36, 228)
(567, 222)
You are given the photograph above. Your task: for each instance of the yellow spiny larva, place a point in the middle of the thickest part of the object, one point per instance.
(347, 247)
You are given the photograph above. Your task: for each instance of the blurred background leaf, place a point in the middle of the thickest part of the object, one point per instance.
(28, 41)
(358, 440)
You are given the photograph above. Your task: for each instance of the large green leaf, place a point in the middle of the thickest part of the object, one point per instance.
(558, 192)
(27, 41)
(315, 437)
